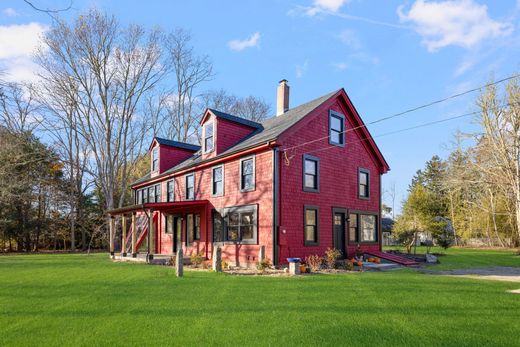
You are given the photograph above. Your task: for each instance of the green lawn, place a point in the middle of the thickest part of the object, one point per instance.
(462, 258)
(79, 300)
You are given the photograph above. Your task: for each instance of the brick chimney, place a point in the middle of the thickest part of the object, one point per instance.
(282, 97)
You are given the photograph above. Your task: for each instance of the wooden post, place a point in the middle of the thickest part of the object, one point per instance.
(123, 236)
(151, 232)
(111, 236)
(134, 235)
(179, 263)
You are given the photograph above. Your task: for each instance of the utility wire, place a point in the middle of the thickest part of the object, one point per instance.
(409, 110)
(405, 129)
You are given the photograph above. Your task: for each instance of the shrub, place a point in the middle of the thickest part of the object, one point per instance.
(224, 264)
(171, 261)
(314, 262)
(264, 264)
(349, 266)
(206, 265)
(331, 255)
(197, 258)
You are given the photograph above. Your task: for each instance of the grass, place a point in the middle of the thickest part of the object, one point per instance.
(79, 300)
(465, 258)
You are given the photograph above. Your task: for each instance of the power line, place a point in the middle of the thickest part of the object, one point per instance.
(404, 129)
(410, 110)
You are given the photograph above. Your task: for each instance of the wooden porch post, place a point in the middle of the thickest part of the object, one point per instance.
(134, 236)
(151, 232)
(123, 236)
(111, 236)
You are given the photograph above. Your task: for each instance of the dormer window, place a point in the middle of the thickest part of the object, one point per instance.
(208, 137)
(155, 159)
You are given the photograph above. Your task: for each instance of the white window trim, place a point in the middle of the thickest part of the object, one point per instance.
(204, 137)
(156, 148)
(240, 174)
(223, 180)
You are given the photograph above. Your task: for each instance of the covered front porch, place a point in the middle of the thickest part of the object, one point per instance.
(153, 232)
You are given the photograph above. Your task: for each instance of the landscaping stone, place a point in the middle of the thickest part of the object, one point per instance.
(217, 260)
(294, 268)
(430, 258)
(179, 271)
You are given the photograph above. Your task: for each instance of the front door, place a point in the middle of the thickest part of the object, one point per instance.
(339, 232)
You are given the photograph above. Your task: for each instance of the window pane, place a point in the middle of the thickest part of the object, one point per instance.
(335, 137)
(247, 182)
(247, 218)
(247, 232)
(169, 224)
(217, 227)
(310, 234)
(368, 228)
(232, 233)
(335, 123)
(217, 174)
(233, 218)
(310, 181)
(310, 217)
(363, 178)
(189, 228)
(209, 129)
(247, 166)
(338, 220)
(310, 167)
(363, 190)
(197, 227)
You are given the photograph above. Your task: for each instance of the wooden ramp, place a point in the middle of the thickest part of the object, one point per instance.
(393, 258)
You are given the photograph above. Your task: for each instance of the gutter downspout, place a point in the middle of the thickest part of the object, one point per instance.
(275, 205)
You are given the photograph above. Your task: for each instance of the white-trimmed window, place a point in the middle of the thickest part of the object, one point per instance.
(236, 224)
(217, 186)
(208, 137)
(336, 128)
(247, 174)
(155, 159)
(190, 186)
(170, 190)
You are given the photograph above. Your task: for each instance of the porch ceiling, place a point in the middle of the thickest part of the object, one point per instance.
(156, 206)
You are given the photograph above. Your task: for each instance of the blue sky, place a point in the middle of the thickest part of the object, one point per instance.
(388, 55)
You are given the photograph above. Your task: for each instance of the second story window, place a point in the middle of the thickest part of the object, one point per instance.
(190, 187)
(336, 128)
(218, 181)
(170, 193)
(151, 194)
(155, 159)
(247, 174)
(157, 190)
(144, 195)
(311, 169)
(208, 137)
(364, 184)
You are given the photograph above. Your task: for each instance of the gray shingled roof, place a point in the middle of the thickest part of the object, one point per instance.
(235, 119)
(177, 144)
(270, 129)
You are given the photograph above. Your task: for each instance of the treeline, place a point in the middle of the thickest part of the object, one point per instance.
(73, 142)
(473, 196)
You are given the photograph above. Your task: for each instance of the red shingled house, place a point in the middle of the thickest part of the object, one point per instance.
(304, 180)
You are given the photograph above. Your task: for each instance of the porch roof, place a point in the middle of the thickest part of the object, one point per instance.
(156, 206)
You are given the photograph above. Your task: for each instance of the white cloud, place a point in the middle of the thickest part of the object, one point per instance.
(340, 66)
(453, 22)
(239, 45)
(350, 38)
(10, 12)
(301, 69)
(325, 6)
(17, 45)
